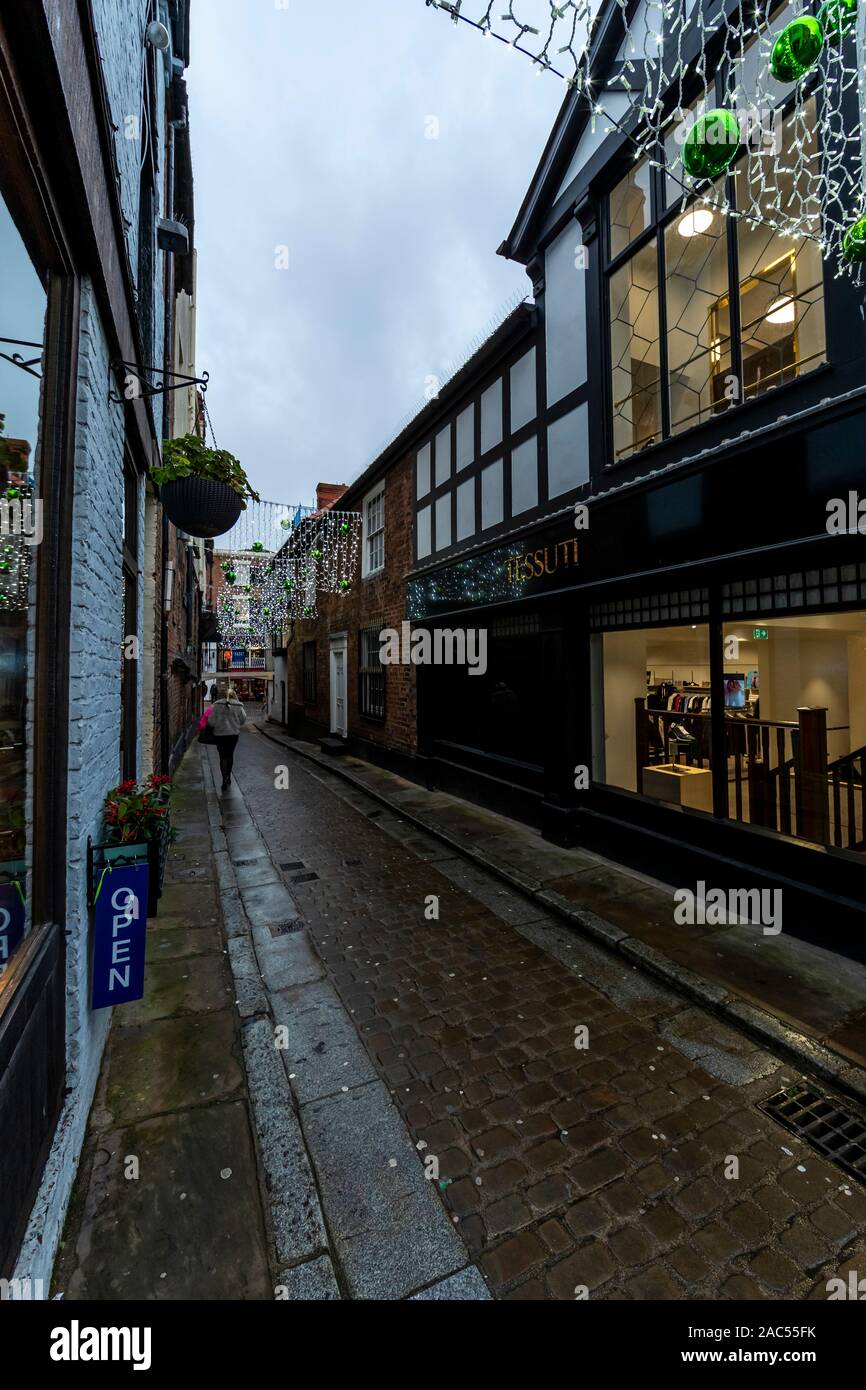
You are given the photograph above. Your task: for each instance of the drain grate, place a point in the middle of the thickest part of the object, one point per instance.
(285, 928)
(351, 863)
(304, 878)
(295, 864)
(836, 1130)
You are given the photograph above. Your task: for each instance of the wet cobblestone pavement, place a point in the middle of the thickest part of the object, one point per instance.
(606, 1168)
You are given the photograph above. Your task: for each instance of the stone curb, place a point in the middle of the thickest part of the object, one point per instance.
(765, 1028)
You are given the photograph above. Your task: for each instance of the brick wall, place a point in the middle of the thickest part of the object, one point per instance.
(379, 600)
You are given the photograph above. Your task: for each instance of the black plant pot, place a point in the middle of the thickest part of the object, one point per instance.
(201, 506)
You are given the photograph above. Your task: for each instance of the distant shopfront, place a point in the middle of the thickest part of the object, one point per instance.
(682, 684)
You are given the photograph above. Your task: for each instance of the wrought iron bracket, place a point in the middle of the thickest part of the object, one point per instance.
(26, 364)
(140, 383)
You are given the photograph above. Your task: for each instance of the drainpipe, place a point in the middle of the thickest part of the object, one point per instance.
(165, 745)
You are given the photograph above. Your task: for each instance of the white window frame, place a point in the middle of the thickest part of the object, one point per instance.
(377, 494)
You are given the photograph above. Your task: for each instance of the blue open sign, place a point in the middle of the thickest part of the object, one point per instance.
(11, 922)
(119, 936)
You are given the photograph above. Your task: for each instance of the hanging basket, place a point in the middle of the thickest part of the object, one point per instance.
(201, 506)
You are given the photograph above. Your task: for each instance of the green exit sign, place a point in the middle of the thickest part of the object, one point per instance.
(761, 634)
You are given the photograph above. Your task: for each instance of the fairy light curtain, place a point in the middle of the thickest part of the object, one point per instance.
(277, 561)
(796, 184)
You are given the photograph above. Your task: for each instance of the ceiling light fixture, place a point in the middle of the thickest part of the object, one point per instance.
(781, 310)
(697, 221)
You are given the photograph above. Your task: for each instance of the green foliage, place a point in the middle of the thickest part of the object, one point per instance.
(189, 457)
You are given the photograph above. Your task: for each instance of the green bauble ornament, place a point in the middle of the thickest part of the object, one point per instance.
(8, 550)
(854, 241)
(257, 546)
(230, 576)
(344, 528)
(307, 612)
(287, 585)
(837, 18)
(317, 554)
(711, 144)
(344, 585)
(266, 610)
(4, 566)
(797, 49)
(12, 492)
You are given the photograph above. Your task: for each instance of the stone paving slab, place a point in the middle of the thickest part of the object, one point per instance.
(391, 1233)
(310, 1282)
(466, 1287)
(323, 1053)
(179, 986)
(188, 1227)
(299, 1231)
(285, 960)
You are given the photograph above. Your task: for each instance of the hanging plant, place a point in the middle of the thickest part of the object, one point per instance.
(203, 490)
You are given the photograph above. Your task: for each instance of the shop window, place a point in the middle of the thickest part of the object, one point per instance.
(465, 438)
(781, 281)
(492, 510)
(24, 305)
(443, 455)
(743, 304)
(422, 472)
(635, 359)
(795, 725)
(371, 674)
(698, 315)
(523, 394)
(491, 417)
(374, 532)
(466, 510)
(309, 673)
(524, 477)
(443, 521)
(568, 452)
(565, 266)
(630, 212)
(423, 542)
(652, 714)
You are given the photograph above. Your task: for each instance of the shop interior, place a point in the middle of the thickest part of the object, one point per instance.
(654, 710)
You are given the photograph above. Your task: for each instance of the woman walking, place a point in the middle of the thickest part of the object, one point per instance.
(227, 718)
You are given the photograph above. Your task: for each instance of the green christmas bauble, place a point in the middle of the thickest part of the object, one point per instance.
(317, 554)
(266, 610)
(344, 528)
(711, 144)
(307, 612)
(797, 49)
(344, 585)
(230, 576)
(854, 241)
(4, 566)
(287, 585)
(837, 18)
(257, 545)
(11, 492)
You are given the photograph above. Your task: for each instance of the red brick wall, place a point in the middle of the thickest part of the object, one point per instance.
(378, 600)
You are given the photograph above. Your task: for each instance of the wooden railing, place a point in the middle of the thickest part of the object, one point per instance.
(777, 772)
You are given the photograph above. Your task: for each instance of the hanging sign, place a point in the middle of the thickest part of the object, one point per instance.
(11, 921)
(119, 936)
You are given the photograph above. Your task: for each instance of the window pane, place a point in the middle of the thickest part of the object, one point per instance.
(443, 521)
(24, 301)
(630, 211)
(491, 417)
(491, 495)
(524, 477)
(634, 341)
(565, 314)
(651, 714)
(523, 403)
(443, 455)
(781, 280)
(422, 472)
(568, 452)
(466, 438)
(466, 510)
(674, 137)
(802, 783)
(422, 533)
(698, 314)
(750, 85)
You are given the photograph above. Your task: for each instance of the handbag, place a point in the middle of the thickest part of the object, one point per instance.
(206, 733)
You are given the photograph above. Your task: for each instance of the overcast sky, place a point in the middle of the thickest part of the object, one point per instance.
(309, 127)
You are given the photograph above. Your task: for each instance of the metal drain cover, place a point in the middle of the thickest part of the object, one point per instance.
(837, 1130)
(285, 928)
(304, 878)
(295, 864)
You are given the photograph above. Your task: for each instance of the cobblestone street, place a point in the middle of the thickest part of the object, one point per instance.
(562, 1168)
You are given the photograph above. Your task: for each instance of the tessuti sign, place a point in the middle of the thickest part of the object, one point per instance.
(11, 922)
(119, 936)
